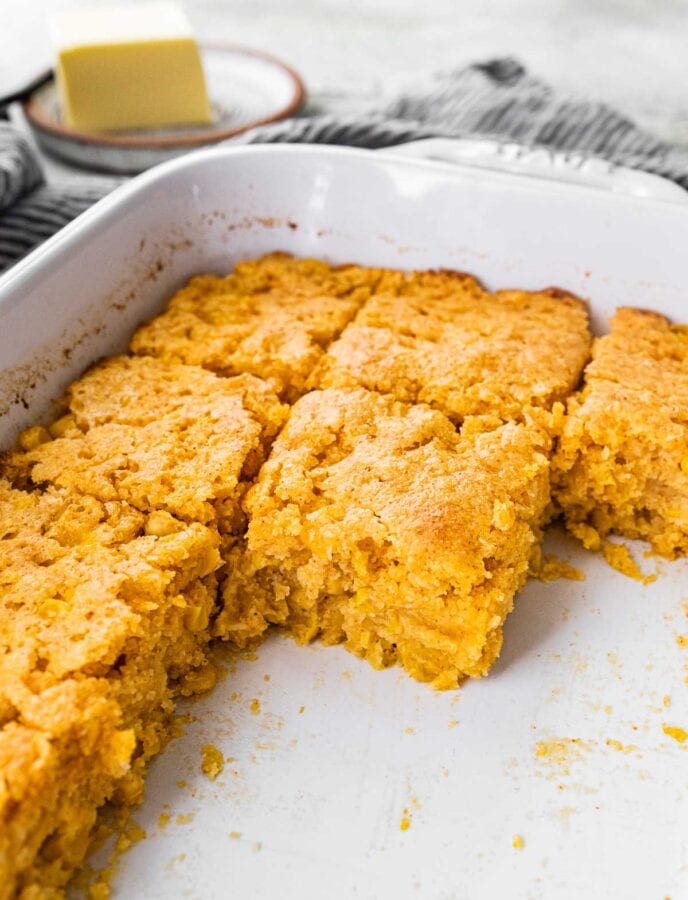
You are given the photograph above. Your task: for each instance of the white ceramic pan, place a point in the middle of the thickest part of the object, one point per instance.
(337, 755)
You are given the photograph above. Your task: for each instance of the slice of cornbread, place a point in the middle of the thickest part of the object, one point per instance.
(169, 439)
(161, 436)
(104, 617)
(441, 338)
(622, 461)
(374, 522)
(270, 317)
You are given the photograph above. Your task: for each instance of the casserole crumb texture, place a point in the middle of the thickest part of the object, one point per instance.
(398, 510)
(375, 523)
(622, 462)
(102, 623)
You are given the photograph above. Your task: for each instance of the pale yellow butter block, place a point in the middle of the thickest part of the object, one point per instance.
(122, 67)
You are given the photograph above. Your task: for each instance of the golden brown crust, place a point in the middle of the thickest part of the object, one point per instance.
(561, 294)
(645, 352)
(270, 317)
(442, 339)
(158, 435)
(635, 315)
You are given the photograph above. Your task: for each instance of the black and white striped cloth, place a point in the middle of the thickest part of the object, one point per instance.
(495, 99)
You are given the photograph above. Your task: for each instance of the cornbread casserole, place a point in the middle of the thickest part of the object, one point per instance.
(622, 462)
(271, 317)
(441, 338)
(374, 522)
(132, 536)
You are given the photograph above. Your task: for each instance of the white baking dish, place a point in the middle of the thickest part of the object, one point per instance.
(316, 796)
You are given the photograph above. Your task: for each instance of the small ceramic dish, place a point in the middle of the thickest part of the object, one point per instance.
(247, 88)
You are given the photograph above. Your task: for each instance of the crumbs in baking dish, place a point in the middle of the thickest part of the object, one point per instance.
(212, 761)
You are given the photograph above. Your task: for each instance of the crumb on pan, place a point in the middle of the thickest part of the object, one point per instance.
(619, 557)
(212, 761)
(551, 568)
(680, 735)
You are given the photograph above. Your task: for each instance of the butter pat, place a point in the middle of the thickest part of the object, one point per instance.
(122, 67)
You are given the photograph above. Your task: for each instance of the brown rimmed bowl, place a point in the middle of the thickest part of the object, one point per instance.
(247, 88)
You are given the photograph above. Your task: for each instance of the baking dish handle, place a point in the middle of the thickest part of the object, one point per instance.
(543, 163)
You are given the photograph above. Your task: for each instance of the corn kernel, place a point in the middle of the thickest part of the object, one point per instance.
(196, 618)
(503, 515)
(588, 536)
(51, 607)
(122, 746)
(211, 561)
(33, 437)
(61, 426)
(160, 524)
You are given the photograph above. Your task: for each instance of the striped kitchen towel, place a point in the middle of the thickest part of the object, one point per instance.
(495, 99)
(30, 209)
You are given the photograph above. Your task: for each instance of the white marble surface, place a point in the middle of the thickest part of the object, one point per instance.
(631, 53)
